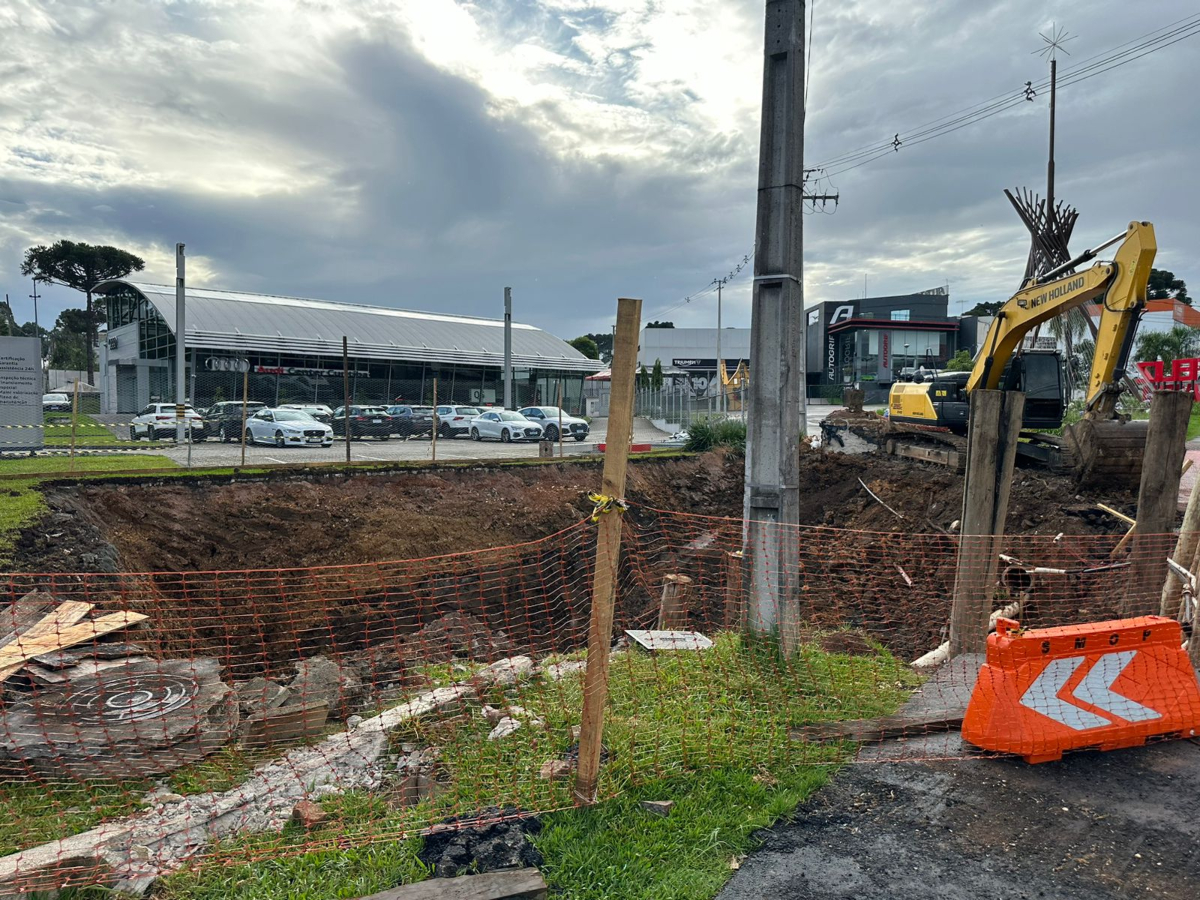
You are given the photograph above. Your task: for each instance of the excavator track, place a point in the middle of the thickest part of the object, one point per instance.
(1094, 453)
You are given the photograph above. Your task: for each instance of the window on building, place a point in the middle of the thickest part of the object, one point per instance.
(901, 315)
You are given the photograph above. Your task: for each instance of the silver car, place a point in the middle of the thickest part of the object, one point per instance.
(505, 426)
(549, 418)
(287, 428)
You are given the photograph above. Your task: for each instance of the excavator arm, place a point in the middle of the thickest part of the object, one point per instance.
(1119, 285)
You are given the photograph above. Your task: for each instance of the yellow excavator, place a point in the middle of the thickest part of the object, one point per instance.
(1103, 444)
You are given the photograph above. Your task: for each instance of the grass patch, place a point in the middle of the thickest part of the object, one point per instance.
(709, 731)
(1194, 424)
(21, 502)
(88, 432)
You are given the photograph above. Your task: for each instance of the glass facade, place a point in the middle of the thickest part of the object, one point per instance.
(881, 355)
(274, 379)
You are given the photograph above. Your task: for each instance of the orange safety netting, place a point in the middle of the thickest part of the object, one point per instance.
(152, 718)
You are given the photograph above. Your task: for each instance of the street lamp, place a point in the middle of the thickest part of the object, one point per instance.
(902, 368)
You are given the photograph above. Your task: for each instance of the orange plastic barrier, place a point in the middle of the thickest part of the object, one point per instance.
(1106, 685)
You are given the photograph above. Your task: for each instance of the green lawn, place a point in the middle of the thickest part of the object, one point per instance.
(1194, 423)
(21, 498)
(709, 731)
(88, 432)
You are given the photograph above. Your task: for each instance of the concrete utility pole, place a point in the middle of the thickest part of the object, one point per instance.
(720, 283)
(776, 421)
(180, 349)
(508, 385)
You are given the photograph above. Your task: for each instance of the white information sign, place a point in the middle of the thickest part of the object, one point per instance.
(20, 394)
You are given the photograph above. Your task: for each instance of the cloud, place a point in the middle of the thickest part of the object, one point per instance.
(426, 154)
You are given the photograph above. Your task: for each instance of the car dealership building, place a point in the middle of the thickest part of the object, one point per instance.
(289, 350)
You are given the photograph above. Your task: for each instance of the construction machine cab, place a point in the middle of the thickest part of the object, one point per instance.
(1039, 374)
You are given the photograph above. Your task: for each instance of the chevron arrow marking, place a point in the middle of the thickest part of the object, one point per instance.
(1096, 690)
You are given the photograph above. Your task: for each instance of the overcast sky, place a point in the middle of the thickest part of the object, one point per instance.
(426, 153)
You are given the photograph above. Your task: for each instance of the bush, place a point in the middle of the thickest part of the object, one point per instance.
(705, 434)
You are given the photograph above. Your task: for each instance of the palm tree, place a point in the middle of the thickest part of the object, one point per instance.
(1168, 346)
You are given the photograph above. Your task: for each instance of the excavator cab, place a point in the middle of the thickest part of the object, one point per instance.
(1039, 374)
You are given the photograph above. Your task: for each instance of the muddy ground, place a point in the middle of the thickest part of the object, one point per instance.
(173, 525)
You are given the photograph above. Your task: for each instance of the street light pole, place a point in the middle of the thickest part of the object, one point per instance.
(720, 283)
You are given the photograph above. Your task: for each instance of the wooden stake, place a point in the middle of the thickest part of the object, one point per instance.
(672, 615)
(995, 426)
(734, 598)
(608, 548)
(74, 420)
(245, 393)
(1158, 499)
(1185, 550)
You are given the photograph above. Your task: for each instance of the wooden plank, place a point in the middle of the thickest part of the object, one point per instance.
(516, 884)
(24, 614)
(285, 725)
(880, 729)
(608, 547)
(55, 637)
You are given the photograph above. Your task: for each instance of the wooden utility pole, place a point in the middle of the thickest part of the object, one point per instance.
(1185, 553)
(608, 548)
(995, 426)
(1158, 500)
(775, 421)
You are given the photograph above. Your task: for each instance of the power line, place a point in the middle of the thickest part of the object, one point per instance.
(1129, 51)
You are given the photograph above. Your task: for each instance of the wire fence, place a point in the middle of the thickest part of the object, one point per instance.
(155, 718)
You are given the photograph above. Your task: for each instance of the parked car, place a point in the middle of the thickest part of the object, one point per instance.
(408, 421)
(455, 420)
(365, 421)
(56, 403)
(318, 411)
(287, 428)
(157, 421)
(224, 419)
(504, 425)
(548, 418)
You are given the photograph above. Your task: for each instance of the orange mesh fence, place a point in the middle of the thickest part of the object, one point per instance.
(153, 718)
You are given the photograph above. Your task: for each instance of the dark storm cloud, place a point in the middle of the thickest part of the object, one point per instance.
(301, 150)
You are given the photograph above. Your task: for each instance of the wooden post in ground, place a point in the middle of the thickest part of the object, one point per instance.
(1158, 500)
(995, 426)
(608, 548)
(1185, 551)
(672, 614)
(735, 606)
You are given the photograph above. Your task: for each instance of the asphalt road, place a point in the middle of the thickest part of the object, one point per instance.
(212, 453)
(1093, 826)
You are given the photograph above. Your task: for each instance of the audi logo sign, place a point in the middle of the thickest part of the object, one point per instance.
(227, 364)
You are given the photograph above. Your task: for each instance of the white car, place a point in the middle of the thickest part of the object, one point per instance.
(504, 425)
(287, 428)
(318, 411)
(548, 418)
(56, 403)
(157, 421)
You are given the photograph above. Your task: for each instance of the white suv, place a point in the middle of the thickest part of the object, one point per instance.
(157, 421)
(547, 417)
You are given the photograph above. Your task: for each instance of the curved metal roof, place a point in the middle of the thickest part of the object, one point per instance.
(264, 323)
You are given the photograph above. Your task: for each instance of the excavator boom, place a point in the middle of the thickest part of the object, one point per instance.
(1120, 285)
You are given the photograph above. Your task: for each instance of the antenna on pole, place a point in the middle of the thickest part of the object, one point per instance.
(1053, 42)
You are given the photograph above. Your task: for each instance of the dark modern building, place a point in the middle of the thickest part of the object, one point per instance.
(871, 342)
(291, 351)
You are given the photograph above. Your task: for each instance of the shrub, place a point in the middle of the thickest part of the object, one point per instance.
(705, 434)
